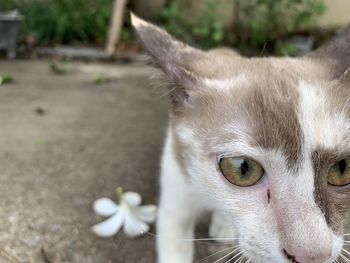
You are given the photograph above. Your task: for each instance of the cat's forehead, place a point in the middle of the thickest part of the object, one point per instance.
(269, 107)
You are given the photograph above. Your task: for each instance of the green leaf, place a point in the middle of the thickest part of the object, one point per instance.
(5, 79)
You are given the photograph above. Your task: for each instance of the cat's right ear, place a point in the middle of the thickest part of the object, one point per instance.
(176, 59)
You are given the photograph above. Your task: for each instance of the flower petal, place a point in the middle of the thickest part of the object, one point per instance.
(147, 213)
(134, 227)
(105, 207)
(132, 198)
(111, 226)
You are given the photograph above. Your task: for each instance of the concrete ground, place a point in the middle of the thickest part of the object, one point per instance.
(66, 141)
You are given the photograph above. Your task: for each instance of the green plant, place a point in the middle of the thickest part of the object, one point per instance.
(207, 29)
(284, 48)
(172, 21)
(258, 24)
(269, 21)
(6, 78)
(209, 26)
(64, 21)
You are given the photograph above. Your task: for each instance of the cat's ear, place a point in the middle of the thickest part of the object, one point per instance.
(335, 54)
(174, 58)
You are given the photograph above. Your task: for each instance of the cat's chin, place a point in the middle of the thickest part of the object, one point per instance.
(255, 258)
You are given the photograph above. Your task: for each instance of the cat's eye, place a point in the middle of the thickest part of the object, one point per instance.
(241, 171)
(339, 174)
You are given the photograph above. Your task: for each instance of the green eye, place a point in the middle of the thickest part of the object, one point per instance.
(339, 174)
(241, 171)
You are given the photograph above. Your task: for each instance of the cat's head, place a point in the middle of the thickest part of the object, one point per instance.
(266, 140)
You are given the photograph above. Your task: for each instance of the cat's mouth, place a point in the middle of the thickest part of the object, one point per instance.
(290, 257)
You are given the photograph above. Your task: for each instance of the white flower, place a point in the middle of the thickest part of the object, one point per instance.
(128, 213)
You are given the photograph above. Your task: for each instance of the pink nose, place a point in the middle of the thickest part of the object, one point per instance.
(322, 258)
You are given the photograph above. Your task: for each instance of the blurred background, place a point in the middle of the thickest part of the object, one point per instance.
(79, 116)
(278, 27)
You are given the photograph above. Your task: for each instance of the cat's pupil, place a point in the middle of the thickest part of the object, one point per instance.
(342, 166)
(244, 167)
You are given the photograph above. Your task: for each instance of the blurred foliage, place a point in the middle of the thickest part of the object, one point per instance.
(271, 22)
(63, 21)
(206, 30)
(257, 24)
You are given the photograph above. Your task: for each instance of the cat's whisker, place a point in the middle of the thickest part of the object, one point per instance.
(201, 239)
(235, 256)
(347, 252)
(344, 258)
(239, 259)
(218, 252)
(347, 234)
(210, 239)
(227, 255)
(166, 93)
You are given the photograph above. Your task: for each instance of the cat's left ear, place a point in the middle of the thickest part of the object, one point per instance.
(177, 60)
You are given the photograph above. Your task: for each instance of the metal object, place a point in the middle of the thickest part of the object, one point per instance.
(10, 25)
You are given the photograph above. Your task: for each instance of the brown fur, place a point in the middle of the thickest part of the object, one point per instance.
(333, 201)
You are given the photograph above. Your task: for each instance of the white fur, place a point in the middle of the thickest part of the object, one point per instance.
(322, 125)
(224, 83)
(178, 210)
(137, 22)
(185, 194)
(221, 228)
(264, 230)
(184, 197)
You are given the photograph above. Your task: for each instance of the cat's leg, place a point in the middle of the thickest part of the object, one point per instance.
(175, 228)
(177, 214)
(220, 228)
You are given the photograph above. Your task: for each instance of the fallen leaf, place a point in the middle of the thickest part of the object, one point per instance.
(5, 79)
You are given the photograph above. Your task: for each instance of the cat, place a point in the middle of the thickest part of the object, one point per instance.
(264, 143)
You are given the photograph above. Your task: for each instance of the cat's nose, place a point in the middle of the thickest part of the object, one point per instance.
(300, 258)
